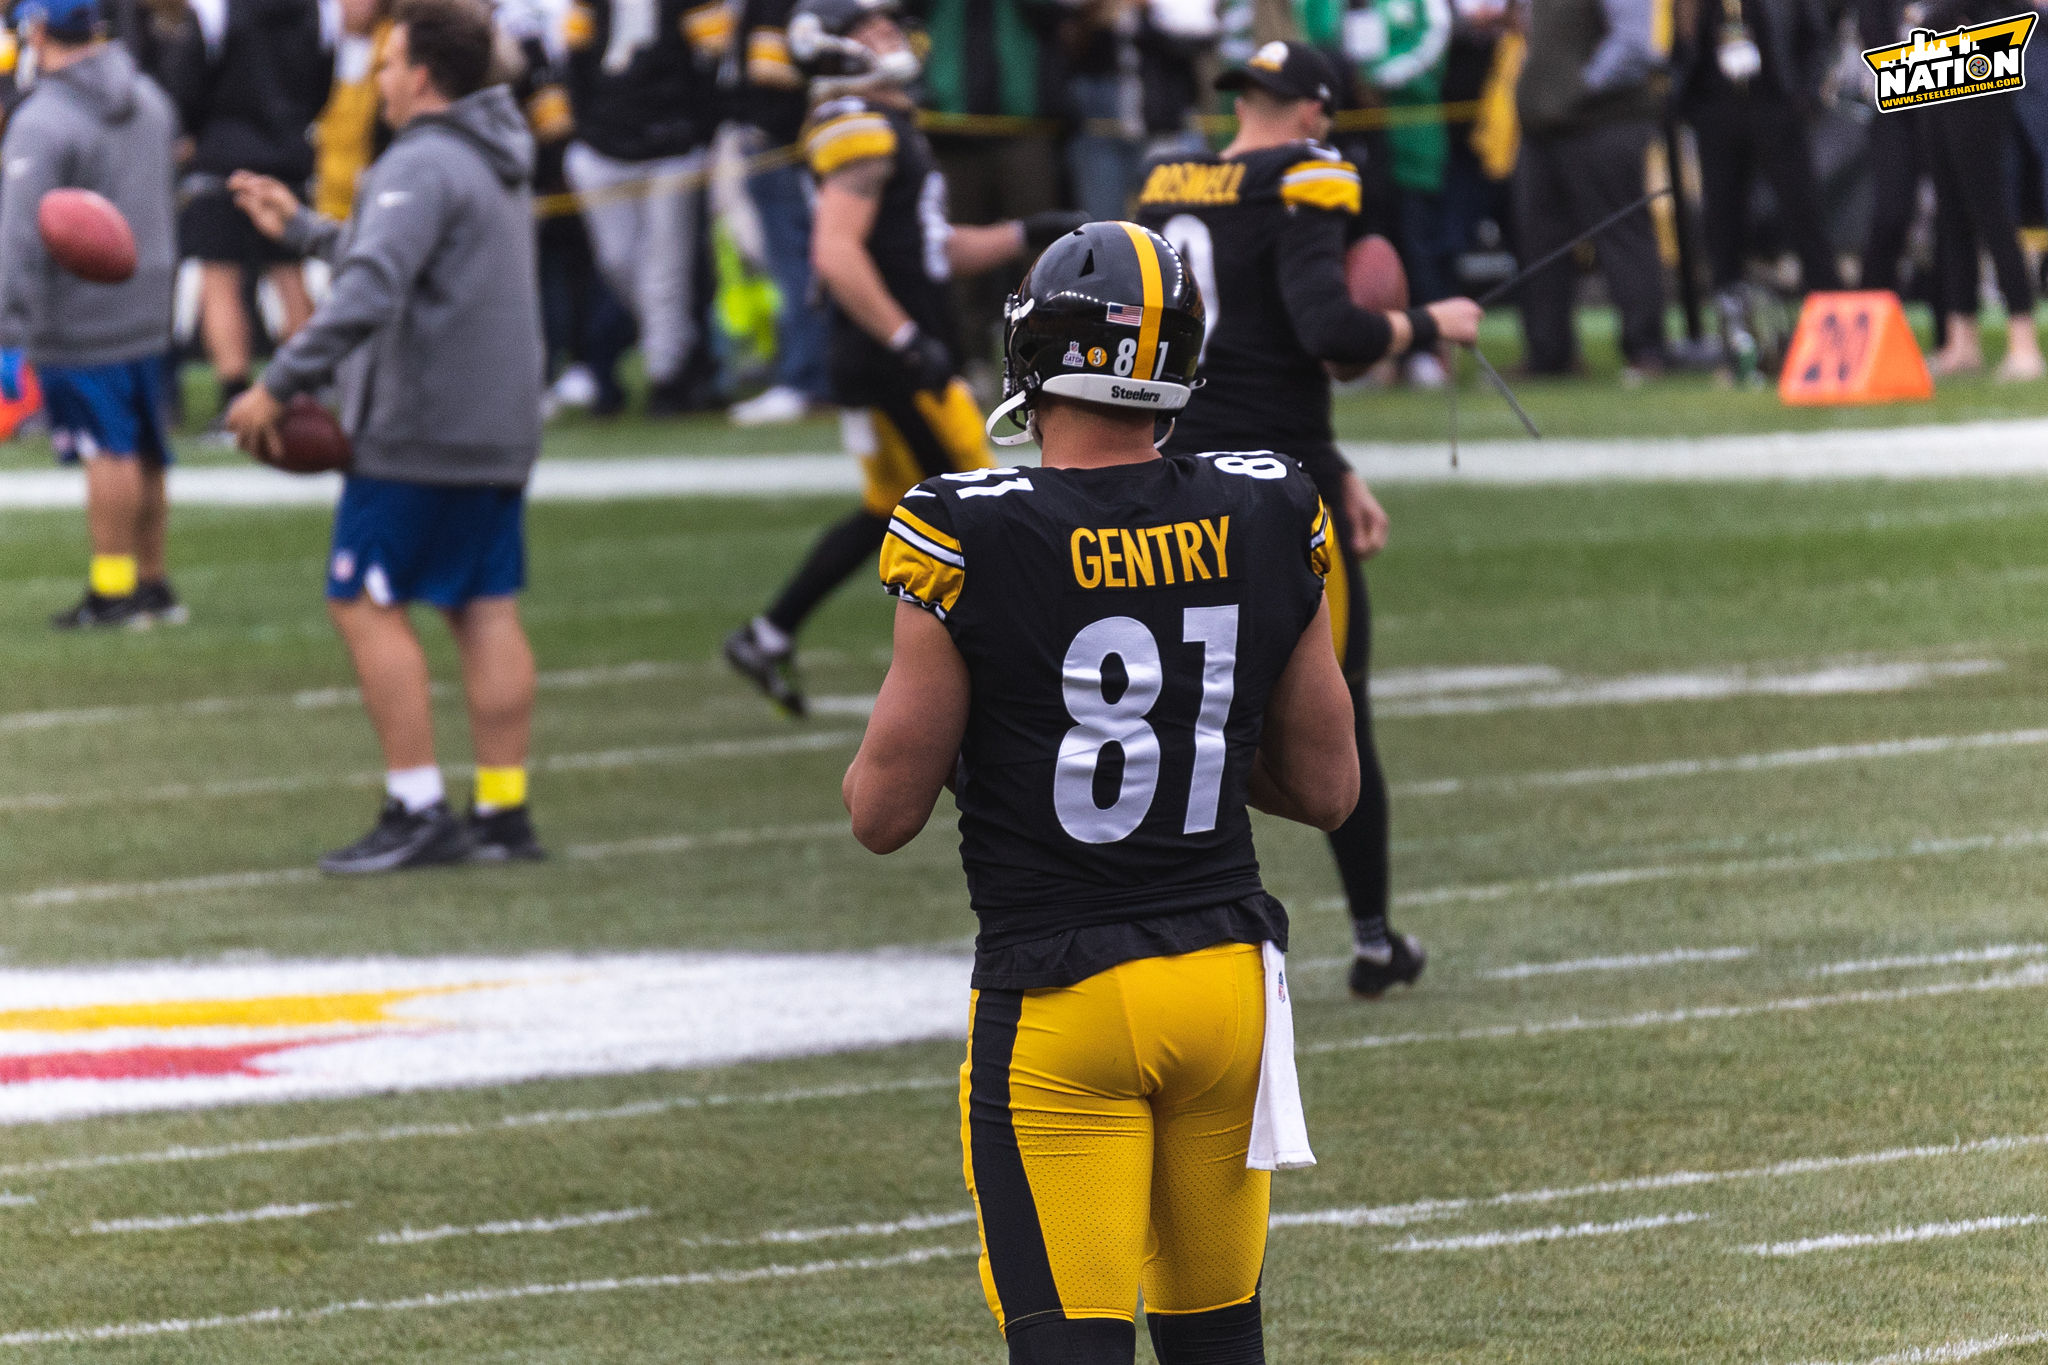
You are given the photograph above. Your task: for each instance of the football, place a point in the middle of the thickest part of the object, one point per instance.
(1374, 277)
(309, 439)
(86, 235)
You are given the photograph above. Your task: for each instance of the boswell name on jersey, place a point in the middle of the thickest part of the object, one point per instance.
(1123, 629)
(1264, 235)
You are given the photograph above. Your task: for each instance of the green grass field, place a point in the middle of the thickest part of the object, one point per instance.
(1503, 1149)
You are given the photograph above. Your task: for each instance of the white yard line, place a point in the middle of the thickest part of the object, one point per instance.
(461, 1298)
(324, 698)
(2029, 978)
(1739, 763)
(11, 1200)
(2014, 840)
(596, 760)
(1422, 682)
(1483, 1241)
(1951, 1352)
(1424, 1210)
(916, 1222)
(1627, 962)
(1925, 1232)
(2004, 449)
(269, 1213)
(2001, 952)
(1837, 680)
(410, 1236)
(651, 845)
(545, 1118)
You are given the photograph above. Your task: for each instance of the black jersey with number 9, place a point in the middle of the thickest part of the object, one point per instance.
(1123, 628)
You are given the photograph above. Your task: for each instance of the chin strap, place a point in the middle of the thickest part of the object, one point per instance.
(1166, 435)
(1026, 423)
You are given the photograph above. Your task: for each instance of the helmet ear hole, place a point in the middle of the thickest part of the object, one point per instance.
(1088, 265)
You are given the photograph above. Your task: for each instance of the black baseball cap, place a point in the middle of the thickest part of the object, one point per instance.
(1293, 71)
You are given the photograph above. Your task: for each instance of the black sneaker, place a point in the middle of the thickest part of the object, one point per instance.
(773, 671)
(503, 836)
(1397, 962)
(403, 838)
(94, 610)
(159, 603)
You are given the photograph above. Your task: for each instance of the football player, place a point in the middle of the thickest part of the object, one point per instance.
(1263, 226)
(1111, 657)
(883, 251)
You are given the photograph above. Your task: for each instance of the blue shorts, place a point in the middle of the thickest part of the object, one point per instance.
(116, 410)
(418, 542)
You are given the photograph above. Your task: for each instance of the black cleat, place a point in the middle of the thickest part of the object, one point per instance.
(773, 671)
(402, 838)
(1397, 962)
(159, 603)
(94, 611)
(503, 836)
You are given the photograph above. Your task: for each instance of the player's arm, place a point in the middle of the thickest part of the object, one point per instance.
(913, 738)
(1307, 765)
(395, 233)
(848, 199)
(34, 168)
(972, 250)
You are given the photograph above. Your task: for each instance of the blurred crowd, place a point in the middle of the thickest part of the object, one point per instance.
(673, 216)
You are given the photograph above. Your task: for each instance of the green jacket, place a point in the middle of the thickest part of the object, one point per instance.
(1399, 46)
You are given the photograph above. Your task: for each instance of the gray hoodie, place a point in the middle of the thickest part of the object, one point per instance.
(98, 124)
(433, 325)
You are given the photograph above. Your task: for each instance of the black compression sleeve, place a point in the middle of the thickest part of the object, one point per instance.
(1311, 261)
(1423, 330)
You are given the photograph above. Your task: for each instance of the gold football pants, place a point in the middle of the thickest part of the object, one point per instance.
(1105, 1127)
(911, 437)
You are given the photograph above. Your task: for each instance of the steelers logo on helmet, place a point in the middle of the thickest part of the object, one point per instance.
(1123, 295)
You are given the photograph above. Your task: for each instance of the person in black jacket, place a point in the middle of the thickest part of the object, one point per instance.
(248, 101)
(1961, 138)
(645, 107)
(1747, 76)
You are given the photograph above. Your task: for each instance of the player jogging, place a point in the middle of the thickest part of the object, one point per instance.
(101, 351)
(1111, 657)
(1263, 226)
(884, 253)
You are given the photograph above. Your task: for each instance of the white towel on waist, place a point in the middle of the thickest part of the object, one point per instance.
(1279, 1129)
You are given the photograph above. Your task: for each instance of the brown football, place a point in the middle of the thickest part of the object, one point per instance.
(309, 440)
(1374, 277)
(86, 235)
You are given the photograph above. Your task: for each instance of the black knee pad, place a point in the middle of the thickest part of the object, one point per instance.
(1221, 1336)
(1074, 1341)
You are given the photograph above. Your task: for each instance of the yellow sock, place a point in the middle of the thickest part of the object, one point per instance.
(113, 575)
(500, 789)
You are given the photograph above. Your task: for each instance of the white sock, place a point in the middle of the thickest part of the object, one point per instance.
(770, 637)
(415, 788)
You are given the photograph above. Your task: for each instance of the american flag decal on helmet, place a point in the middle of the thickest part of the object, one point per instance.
(1128, 314)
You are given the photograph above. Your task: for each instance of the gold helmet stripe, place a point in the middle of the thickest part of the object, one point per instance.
(1155, 298)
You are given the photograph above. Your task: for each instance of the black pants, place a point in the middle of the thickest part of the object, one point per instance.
(1898, 160)
(1967, 145)
(1744, 133)
(1565, 184)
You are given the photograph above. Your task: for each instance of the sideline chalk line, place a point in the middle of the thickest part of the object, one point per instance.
(484, 1294)
(1925, 1232)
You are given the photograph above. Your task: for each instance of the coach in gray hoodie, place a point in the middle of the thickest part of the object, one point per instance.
(93, 121)
(433, 328)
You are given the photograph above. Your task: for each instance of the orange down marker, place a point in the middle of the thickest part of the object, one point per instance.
(1853, 346)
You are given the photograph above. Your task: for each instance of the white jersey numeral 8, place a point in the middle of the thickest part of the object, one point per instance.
(1100, 722)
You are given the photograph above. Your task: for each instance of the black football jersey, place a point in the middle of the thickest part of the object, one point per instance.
(1123, 628)
(908, 240)
(1229, 220)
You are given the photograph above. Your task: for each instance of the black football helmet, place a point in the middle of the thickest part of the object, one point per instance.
(821, 45)
(1109, 314)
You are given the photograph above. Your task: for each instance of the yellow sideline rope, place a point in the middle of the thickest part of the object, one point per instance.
(570, 202)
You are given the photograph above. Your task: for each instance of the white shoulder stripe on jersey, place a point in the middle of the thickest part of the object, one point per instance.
(925, 544)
